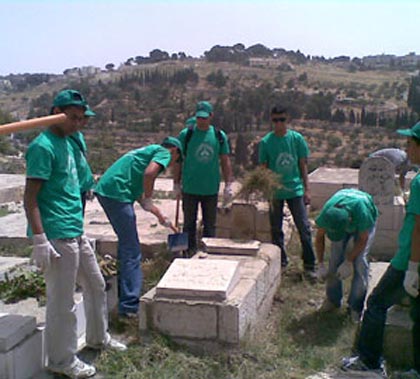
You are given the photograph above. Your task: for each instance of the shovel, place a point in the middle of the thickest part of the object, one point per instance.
(178, 241)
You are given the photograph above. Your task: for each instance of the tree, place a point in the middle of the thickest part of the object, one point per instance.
(110, 66)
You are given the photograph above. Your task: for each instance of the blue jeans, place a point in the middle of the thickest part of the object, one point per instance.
(389, 291)
(300, 218)
(130, 278)
(360, 278)
(209, 211)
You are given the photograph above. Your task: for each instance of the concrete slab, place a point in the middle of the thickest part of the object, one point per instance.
(230, 246)
(9, 263)
(14, 329)
(339, 374)
(199, 279)
(12, 188)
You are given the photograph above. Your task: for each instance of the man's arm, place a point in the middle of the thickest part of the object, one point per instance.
(150, 174)
(226, 168)
(32, 188)
(320, 244)
(359, 246)
(303, 167)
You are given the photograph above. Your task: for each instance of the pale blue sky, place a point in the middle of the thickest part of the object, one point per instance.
(50, 36)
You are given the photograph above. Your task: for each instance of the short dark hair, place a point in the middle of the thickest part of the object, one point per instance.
(278, 109)
(416, 140)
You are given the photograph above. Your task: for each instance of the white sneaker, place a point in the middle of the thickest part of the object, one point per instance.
(77, 370)
(111, 344)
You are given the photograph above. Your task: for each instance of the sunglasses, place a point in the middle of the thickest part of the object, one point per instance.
(279, 119)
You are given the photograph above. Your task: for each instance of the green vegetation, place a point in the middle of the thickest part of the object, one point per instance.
(21, 284)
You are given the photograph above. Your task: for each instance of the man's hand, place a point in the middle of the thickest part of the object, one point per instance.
(227, 193)
(345, 270)
(164, 221)
(146, 203)
(411, 280)
(322, 271)
(43, 252)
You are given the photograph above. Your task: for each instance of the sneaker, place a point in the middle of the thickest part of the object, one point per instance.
(310, 275)
(356, 364)
(354, 315)
(411, 374)
(327, 306)
(112, 344)
(77, 370)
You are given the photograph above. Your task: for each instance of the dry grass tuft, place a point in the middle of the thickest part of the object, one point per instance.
(259, 184)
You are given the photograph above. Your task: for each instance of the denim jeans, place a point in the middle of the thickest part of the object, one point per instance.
(123, 221)
(360, 278)
(300, 218)
(389, 291)
(209, 211)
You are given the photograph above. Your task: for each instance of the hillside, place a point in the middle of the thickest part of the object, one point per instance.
(344, 112)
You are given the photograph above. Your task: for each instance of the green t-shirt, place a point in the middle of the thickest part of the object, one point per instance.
(84, 172)
(50, 158)
(123, 181)
(282, 154)
(361, 210)
(401, 258)
(201, 167)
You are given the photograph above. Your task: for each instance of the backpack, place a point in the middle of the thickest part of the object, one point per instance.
(218, 134)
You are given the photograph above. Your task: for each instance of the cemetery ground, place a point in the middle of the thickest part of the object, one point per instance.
(295, 342)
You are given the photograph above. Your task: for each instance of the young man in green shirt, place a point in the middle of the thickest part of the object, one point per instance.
(348, 214)
(131, 178)
(204, 154)
(401, 277)
(285, 152)
(61, 250)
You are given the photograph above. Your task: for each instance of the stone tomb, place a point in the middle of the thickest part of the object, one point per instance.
(241, 247)
(204, 322)
(199, 279)
(20, 347)
(377, 177)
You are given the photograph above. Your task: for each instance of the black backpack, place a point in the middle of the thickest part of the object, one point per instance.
(218, 134)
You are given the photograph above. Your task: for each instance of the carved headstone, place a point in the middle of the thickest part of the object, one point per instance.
(377, 177)
(203, 279)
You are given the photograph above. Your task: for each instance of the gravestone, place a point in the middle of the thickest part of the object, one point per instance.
(199, 279)
(377, 177)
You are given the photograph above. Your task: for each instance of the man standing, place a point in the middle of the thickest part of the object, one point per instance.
(285, 152)
(348, 214)
(131, 178)
(204, 147)
(54, 211)
(402, 274)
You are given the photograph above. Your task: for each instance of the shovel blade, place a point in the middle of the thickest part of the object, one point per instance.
(178, 242)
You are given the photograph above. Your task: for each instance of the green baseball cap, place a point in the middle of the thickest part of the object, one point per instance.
(89, 112)
(173, 141)
(336, 221)
(413, 132)
(203, 109)
(69, 97)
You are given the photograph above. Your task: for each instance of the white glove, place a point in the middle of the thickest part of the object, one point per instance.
(411, 280)
(227, 193)
(176, 189)
(345, 270)
(322, 271)
(146, 203)
(165, 222)
(42, 252)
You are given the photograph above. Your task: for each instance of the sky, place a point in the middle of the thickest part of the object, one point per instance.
(52, 35)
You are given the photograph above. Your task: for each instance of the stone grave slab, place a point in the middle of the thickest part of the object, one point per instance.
(199, 279)
(339, 374)
(377, 177)
(229, 246)
(13, 329)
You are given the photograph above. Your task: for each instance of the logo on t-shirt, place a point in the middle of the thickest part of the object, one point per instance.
(285, 162)
(204, 153)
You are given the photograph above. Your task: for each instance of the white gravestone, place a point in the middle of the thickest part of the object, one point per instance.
(199, 279)
(377, 177)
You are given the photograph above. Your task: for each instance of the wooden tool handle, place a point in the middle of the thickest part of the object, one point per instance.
(177, 213)
(32, 123)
